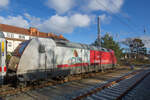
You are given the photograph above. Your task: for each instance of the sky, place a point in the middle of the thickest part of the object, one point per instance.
(77, 19)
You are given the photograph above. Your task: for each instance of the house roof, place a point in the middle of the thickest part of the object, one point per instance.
(30, 31)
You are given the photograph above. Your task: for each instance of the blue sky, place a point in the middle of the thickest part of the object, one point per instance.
(76, 19)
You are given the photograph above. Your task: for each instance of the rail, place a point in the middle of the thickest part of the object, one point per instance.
(116, 89)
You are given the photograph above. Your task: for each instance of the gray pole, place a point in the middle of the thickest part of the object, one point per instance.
(99, 32)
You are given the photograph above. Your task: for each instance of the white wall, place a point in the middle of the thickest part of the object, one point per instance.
(12, 44)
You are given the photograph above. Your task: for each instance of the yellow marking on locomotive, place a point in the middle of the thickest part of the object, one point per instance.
(3, 46)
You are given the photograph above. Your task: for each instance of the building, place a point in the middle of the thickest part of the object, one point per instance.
(15, 35)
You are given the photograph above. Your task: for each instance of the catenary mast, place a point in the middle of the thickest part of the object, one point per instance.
(99, 32)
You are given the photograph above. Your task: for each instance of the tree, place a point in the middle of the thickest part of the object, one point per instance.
(136, 46)
(108, 42)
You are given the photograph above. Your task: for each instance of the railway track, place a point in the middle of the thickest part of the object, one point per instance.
(115, 89)
(58, 84)
(8, 90)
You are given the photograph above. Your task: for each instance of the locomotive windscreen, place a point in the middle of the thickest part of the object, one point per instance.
(19, 50)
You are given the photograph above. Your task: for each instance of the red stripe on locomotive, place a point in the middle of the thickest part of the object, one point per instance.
(73, 65)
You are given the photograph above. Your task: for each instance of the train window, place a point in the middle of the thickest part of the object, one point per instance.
(23, 46)
(41, 49)
(20, 48)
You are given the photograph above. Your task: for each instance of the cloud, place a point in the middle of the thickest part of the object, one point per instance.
(64, 24)
(32, 19)
(4, 3)
(111, 6)
(88, 6)
(105, 19)
(61, 6)
(80, 20)
(55, 23)
(16, 21)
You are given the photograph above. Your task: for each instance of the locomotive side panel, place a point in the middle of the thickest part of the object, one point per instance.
(101, 60)
(86, 61)
(77, 60)
(95, 60)
(106, 60)
(74, 59)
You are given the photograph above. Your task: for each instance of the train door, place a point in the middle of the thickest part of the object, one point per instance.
(2, 59)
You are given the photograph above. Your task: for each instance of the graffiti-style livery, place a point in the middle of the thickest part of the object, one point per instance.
(40, 58)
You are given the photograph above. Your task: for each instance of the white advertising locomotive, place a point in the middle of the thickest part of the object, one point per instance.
(41, 58)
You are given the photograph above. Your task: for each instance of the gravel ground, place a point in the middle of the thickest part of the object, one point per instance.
(140, 92)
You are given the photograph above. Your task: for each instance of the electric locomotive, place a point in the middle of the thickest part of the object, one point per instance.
(42, 58)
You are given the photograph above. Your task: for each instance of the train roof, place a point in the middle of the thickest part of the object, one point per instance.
(79, 45)
(19, 50)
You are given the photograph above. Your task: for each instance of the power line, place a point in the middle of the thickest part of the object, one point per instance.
(129, 20)
(121, 21)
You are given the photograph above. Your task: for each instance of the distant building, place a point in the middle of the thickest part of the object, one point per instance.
(15, 35)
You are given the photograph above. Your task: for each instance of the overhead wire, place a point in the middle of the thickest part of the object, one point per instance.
(131, 23)
(120, 20)
(129, 20)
